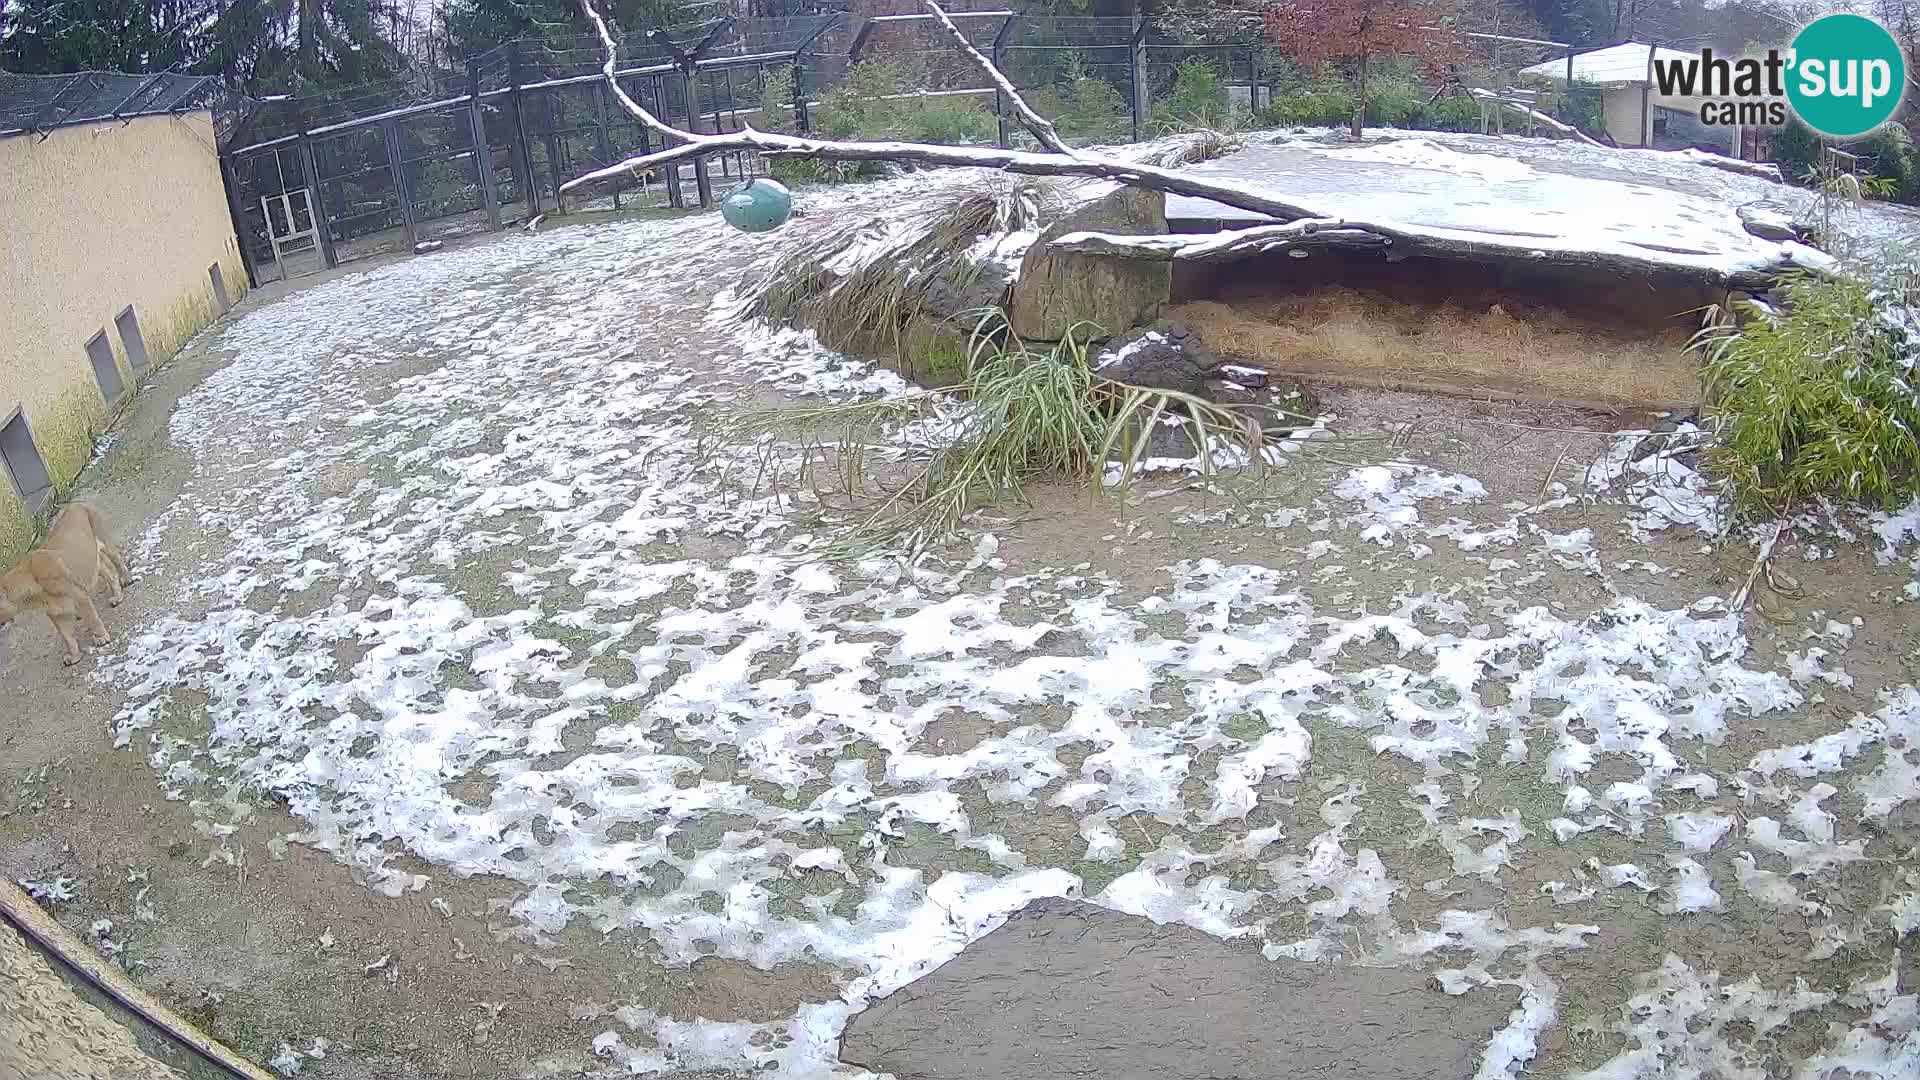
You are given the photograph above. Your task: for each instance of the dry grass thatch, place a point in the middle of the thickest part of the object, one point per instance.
(1340, 333)
(858, 284)
(1191, 148)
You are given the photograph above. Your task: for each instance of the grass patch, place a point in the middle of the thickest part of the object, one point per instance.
(1026, 415)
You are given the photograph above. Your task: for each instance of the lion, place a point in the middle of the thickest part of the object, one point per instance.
(60, 576)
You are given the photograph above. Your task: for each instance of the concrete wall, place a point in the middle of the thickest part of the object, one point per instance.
(1622, 108)
(93, 218)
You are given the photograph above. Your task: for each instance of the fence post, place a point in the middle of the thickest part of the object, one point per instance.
(600, 132)
(690, 81)
(231, 181)
(802, 123)
(396, 164)
(553, 165)
(999, 97)
(1567, 100)
(1138, 55)
(1253, 80)
(670, 175)
(1646, 101)
(311, 172)
(520, 155)
(482, 149)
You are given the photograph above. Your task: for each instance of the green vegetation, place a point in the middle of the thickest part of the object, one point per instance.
(1029, 413)
(1814, 401)
(1196, 99)
(776, 100)
(883, 99)
(1886, 164)
(879, 99)
(1083, 107)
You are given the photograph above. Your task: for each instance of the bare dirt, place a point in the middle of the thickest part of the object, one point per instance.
(261, 942)
(266, 943)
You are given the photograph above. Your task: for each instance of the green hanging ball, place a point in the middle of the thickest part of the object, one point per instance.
(758, 206)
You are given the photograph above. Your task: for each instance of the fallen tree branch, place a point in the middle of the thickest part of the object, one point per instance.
(1022, 162)
(1402, 241)
(1064, 162)
(1765, 170)
(1301, 225)
(1487, 96)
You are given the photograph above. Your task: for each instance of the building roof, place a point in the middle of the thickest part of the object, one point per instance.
(1617, 65)
(43, 102)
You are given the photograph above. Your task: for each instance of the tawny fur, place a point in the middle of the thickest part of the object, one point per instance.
(60, 576)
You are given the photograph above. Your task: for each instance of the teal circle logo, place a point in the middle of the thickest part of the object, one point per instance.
(1847, 76)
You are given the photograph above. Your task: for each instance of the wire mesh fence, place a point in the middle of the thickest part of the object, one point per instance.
(41, 103)
(320, 179)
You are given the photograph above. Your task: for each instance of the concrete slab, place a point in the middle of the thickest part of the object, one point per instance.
(1068, 989)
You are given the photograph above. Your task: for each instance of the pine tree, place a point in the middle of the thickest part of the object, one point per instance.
(301, 45)
(40, 37)
(475, 26)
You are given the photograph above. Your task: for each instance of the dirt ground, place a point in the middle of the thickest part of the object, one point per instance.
(472, 728)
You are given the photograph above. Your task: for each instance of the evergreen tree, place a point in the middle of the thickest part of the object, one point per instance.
(475, 26)
(43, 37)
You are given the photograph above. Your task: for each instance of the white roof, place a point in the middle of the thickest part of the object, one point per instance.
(1617, 65)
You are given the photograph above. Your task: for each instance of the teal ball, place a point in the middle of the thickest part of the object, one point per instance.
(757, 206)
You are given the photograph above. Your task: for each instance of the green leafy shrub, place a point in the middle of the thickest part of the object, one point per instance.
(1313, 107)
(790, 170)
(955, 121)
(1394, 102)
(865, 104)
(1198, 99)
(1083, 107)
(1815, 401)
(1888, 155)
(1454, 112)
(776, 100)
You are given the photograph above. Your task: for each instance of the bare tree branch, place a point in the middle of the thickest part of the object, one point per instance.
(1022, 162)
(1302, 225)
(693, 145)
(619, 92)
(1041, 127)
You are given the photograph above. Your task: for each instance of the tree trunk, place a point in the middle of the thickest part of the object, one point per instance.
(1359, 95)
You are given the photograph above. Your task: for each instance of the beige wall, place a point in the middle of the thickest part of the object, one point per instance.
(93, 218)
(1623, 108)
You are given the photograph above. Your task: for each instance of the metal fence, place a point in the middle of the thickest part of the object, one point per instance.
(318, 180)
(37, 104)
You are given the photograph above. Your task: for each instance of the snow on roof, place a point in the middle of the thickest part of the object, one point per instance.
(1618, 65)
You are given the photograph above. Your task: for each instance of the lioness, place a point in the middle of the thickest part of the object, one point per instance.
(59, 577)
